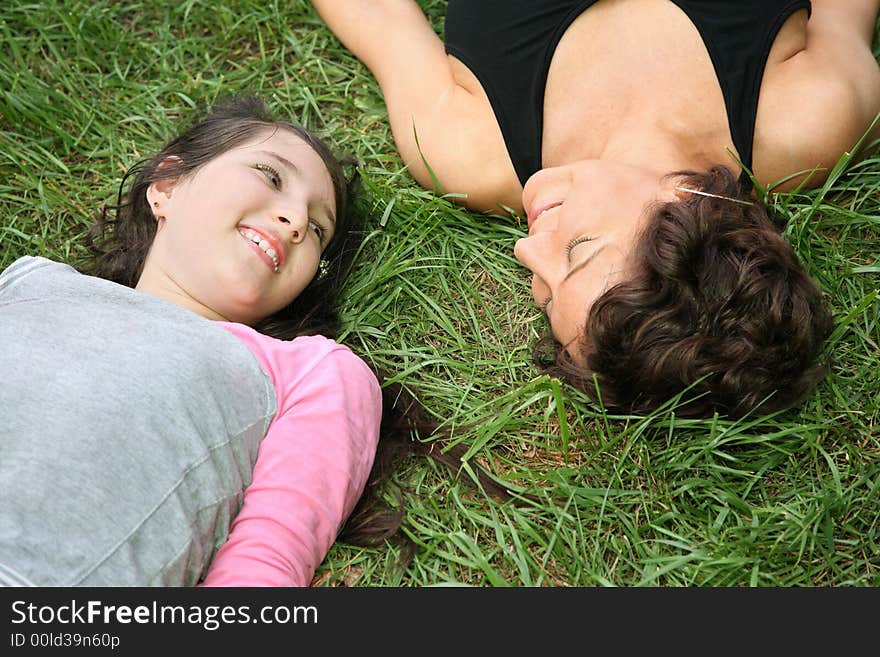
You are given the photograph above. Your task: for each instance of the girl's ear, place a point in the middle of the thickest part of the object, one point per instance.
(159, 192)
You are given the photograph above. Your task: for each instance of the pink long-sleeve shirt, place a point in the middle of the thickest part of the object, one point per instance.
(311, 466)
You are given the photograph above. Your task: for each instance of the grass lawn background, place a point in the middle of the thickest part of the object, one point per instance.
(89, 88)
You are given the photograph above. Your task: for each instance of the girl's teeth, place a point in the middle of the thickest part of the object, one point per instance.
(263, 244)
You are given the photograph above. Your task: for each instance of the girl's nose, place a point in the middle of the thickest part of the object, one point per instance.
(294, 224)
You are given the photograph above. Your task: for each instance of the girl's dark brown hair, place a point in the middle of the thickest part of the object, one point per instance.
(122, 236)
(719, 306)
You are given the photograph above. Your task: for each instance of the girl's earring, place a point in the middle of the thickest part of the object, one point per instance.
(159, 217)
(323, 268)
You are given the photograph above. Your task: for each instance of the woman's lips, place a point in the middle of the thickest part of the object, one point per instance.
(537, 210)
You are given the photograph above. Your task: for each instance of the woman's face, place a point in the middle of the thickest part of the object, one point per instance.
(583, 219)
(242, 236)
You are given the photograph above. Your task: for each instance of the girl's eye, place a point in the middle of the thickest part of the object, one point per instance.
(271, 174)
(573, 243)
(319, 231)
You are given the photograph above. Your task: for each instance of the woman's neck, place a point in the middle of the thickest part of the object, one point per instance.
(650, 147)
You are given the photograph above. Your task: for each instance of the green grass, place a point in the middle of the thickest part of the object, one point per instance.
(88, 88)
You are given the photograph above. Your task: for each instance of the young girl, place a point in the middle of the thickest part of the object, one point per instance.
(629, 132)
(177, 417)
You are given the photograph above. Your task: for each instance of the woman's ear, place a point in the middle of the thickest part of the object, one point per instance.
(159, 192)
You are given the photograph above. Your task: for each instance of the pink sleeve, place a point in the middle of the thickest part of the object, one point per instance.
(310, 471)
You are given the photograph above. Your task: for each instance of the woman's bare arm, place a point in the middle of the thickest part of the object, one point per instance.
(458, 136)
(855, 17)
(839, 37)
(394, 39)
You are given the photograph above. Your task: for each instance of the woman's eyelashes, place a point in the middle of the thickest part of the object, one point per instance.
(573, 243)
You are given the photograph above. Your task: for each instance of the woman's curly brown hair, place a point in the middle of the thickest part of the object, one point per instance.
(719, 306)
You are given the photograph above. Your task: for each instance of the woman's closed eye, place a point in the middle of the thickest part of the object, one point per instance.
(573, 243)
(271, 174)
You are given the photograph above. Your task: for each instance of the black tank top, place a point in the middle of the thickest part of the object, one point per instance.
(508, 45)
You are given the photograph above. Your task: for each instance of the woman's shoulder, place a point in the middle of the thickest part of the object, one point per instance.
(817, 100)
(835, 108)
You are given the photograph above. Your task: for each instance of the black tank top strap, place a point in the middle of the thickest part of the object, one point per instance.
(508, 46)
(738, 36)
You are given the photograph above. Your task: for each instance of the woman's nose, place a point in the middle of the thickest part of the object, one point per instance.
(521, 251)
(528, 251)
(532, 252)
(540, 291)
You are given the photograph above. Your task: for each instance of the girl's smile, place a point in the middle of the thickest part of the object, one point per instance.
(240, 237)
(266, 245)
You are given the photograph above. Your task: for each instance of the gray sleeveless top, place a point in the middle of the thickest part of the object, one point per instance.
(129, 429)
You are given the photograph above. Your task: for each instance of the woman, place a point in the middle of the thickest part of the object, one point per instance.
(183, 415)
(631, 133)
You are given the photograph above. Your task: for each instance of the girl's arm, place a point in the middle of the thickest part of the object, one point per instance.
(310, 471)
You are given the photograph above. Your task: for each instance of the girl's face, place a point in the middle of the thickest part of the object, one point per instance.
(584, 219)
(242, 236)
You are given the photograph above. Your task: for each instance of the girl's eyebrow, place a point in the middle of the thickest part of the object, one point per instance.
(584, 263)
(287, 164)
